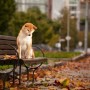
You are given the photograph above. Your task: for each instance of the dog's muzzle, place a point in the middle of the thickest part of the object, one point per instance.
(29, 34)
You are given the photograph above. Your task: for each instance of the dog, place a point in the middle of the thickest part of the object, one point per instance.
(24, 41)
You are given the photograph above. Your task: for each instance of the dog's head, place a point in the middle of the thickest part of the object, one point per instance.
(28, 28)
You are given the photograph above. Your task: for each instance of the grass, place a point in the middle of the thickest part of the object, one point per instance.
(3, 67)
(59, 54)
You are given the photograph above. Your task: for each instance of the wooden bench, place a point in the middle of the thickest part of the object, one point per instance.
(8, 47)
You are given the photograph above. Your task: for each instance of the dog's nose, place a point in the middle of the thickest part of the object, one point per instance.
(29, 35)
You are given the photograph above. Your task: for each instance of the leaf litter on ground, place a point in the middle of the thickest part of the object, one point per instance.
(71, 76)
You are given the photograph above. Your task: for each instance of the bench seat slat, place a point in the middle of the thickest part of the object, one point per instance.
(35, 60)
(8, 61)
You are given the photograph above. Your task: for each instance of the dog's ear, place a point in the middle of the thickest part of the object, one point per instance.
(30, 25)
(34, 27)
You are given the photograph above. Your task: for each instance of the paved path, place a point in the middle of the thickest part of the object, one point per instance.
(77, 72)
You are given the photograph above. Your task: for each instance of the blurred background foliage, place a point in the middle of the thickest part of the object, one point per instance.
(46, 28)
(48, 31)
(7, 9)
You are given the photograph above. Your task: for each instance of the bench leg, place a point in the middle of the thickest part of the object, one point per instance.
(33, 77)
(4, 80)
(33, 70)
(13, 74)
(27, 74)
(20, 74)
(4, 83)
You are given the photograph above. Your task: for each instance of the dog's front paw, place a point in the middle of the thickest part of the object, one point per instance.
(28, 57)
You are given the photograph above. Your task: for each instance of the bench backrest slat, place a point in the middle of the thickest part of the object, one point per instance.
(7, 52)
(7, 37)
(5, 49)
(4, 42)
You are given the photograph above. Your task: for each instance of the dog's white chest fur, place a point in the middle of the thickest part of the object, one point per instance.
(26, 41)
(26, 46)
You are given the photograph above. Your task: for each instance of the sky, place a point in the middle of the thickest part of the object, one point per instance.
(56, 7)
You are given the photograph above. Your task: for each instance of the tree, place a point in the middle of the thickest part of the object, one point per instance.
(89, 40)
(72, 31)
(81, 37)
(46, 28)
(7, 9)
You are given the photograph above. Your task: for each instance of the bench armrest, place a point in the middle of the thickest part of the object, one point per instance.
(14, 49)
(39, 49)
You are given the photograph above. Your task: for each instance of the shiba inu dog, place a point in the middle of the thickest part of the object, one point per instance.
(24, 41)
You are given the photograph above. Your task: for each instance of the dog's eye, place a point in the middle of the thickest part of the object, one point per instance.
(28, 30)
(25, 25)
